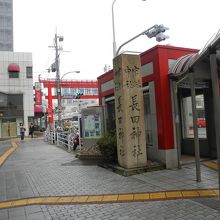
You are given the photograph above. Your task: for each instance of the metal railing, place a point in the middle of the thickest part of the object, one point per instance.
(64, 138)
(50, 137)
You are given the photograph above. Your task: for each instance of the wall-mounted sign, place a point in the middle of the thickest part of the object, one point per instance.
(92, 126)
(38, 96)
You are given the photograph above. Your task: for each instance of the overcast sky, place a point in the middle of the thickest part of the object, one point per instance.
(87, 29)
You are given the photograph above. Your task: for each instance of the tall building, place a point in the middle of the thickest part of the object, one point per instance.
(6, 25)
(16, 79)
(16, 92)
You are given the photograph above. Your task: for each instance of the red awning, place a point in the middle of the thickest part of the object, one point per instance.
(38, 108)
(13, 67)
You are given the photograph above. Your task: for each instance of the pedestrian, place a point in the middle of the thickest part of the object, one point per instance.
(76, 141)
(31, 130)
(22, 130)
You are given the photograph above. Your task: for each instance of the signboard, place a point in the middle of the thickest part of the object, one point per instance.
(38, 96)
(129, 109)
(92, 126)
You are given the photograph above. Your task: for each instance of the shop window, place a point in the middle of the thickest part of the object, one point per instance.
(187, 117)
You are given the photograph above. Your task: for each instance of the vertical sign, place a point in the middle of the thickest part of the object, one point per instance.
(129, 108)
(38, 96)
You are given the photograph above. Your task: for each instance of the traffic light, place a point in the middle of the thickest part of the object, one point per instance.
(157, 32)
(53, 67)
(57, 110)
(161, 37)
(78, 95)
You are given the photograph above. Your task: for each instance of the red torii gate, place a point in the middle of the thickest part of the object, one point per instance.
(51, 83)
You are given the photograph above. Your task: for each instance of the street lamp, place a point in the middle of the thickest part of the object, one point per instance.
(77, 71)
(113, 29)
(59, 104)
(154, 31)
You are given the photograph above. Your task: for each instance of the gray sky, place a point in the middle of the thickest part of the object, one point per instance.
(87, 29)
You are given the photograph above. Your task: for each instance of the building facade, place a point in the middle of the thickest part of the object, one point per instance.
(158, 112)
(6, 25)
(16, 92)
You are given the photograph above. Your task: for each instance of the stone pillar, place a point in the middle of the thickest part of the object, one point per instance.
(129, 108)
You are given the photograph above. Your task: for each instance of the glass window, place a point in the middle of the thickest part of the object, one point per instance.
(29, 72)
(187, 117)
(13, 74)
(13, 106)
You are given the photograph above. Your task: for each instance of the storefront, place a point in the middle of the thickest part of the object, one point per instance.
(159, 118)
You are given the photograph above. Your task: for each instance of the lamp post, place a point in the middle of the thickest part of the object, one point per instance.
(59, 104)
(154, 31)
(113, 29)
(77, 71)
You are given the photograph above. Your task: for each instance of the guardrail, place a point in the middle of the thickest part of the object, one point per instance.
(50, 137)
(65, 139)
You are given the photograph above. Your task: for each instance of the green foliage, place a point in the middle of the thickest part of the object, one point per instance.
(38, 128)
(108, 146)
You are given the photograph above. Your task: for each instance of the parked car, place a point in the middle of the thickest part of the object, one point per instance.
(201, 122)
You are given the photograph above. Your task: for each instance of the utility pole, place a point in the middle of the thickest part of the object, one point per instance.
(57, 61)
(57, 69)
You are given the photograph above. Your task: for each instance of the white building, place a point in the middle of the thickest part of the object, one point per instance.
(16, 92)
(6, 25)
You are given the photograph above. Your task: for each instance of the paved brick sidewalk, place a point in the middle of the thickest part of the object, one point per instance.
(39, 169)
(4, 145)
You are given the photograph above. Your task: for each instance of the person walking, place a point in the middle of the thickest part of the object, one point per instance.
(22, 130)
(31, 130)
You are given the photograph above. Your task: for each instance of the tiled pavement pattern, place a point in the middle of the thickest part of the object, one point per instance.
(7, 150)
(211, 164)
(38, 169)
(4, 145)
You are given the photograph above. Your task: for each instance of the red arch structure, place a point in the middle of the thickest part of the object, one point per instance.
(51, 83)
